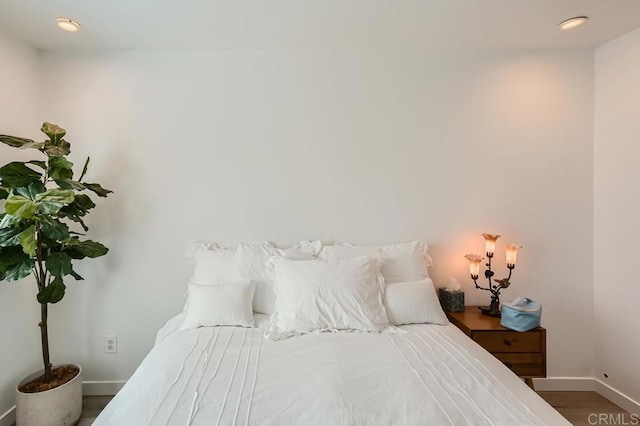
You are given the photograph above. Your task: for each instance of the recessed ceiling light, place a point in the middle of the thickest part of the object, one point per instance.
(68, 24)
(573, 22)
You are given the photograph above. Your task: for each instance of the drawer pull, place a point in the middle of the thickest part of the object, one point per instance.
(507, 342)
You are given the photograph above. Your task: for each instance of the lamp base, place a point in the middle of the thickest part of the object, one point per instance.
(486, 310)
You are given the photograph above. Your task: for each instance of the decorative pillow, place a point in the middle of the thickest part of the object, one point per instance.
(219, 304)
(321, 295)
(250, 264)
(413, 302)
(401, 262)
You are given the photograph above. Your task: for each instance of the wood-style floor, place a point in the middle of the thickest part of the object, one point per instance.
(574, 406)
(578, 406)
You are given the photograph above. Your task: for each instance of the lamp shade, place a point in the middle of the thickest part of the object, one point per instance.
(474, 264)
(490, 243)
(511, 251)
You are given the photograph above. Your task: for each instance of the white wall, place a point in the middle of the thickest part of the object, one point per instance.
(19, 311)
(369, 147)
(616, 213)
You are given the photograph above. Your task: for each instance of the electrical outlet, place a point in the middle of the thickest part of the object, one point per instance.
(111, 344)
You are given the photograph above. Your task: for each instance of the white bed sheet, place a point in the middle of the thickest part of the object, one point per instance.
(430, 375)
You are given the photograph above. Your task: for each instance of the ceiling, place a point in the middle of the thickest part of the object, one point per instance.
(316, 24)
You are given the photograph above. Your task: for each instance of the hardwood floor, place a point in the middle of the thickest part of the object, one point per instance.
(91, 407)
(574, 406)
(578, 406)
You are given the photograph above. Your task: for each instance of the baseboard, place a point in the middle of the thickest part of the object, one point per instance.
(8, 418)
(617, 397)
(588, 384)
(565, 384)
(99, 388)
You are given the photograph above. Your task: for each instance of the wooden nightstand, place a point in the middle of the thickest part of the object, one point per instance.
(524, 353)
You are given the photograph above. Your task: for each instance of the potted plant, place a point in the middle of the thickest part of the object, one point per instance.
(43, 204)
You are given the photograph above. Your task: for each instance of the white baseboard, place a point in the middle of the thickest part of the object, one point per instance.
(8, 418)
(565, 384)
(617, 397)
(90, 388)
(588, 384)
(99, 388)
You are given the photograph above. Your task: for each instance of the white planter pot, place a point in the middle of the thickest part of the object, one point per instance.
(56, 407)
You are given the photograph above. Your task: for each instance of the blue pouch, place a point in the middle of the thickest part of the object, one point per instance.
(521, 314)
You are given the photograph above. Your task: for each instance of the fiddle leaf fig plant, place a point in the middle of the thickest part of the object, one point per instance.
(43, 203)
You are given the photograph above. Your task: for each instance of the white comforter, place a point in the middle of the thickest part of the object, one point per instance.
(430, 375)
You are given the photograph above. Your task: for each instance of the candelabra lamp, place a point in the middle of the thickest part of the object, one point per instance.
(494, 285)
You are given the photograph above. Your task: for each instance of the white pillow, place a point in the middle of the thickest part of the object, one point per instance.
(219, 304)
(250, 264)
(213, 264)
(414, 302)
(321, 295)
(401, 262)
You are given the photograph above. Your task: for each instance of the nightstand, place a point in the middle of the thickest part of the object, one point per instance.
(524, 353)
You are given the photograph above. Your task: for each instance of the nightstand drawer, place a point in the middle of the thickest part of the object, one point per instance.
(509, 341)
(523, 364)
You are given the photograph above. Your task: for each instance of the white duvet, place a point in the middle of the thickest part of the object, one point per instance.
(430, 375)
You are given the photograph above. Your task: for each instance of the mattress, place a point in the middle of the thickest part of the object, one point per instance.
(422, 375)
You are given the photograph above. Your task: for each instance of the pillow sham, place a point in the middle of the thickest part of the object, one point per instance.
(401, 262)
(212, 264)
(322, 295)
(219, 304)
(414, 302)
(250, 264)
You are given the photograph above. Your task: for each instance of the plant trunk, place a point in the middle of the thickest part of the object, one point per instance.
(44, 334)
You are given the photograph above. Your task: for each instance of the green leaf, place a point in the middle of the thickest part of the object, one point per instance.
(75, 275)
(20, 207)
(61, 149)
(49, 207)
(59, 264)
(77, 220)
(28, 240)
(62, 196)
(53, 293)
(30, 191)
(49, 246)
(80, 206)
(54, 229)
(84, 202)
(41, 164)
(20, 270)
(17, 174)
(15, 141)
(84, 169)
(54, 131)
(3, 194)
(70, 184)
(11, 256)
(95, 187)
(52, 200)
(60, 168)
(10, 236)
(22, 143)
(87, 248)
(8, 220)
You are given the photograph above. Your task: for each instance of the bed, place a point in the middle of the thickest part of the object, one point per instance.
(422, 375)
